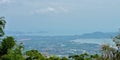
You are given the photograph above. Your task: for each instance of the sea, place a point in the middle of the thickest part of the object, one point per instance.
(63, 46)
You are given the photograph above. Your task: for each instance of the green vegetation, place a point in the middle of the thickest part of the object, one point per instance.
(9, 50)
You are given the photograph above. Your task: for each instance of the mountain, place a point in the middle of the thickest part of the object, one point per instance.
(98, 35)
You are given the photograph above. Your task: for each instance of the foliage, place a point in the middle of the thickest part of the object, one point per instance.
(12, 56)
(6, 44)
(64, 58)
(9, 50)
(84, 56)
(53, 58)
(34, 55)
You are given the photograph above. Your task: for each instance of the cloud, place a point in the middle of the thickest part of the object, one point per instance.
(46, 10)
(48, 7)
(50, 10)
(30, 7)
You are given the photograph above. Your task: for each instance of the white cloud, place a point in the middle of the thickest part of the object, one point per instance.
(45, 10)
(30, 7)
(50, 10)
(48, 7)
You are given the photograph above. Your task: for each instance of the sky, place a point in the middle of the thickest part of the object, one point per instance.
(61, 17)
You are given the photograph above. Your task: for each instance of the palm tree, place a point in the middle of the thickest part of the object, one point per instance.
(108, 52)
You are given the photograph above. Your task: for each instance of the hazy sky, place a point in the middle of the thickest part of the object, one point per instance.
(61, 16)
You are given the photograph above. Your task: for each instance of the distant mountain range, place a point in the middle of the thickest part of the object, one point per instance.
(83, 36)
(99, 35)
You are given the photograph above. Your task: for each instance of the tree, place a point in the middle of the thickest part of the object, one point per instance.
(34, 55)
(95, 57)
(9, 50)
(14, 54)
(84, 56)
(64, 58)
(2, 26)
(53, 58)
(107, 52)
(6, 44)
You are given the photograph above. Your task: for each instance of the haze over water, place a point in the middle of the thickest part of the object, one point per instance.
(61, 17)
